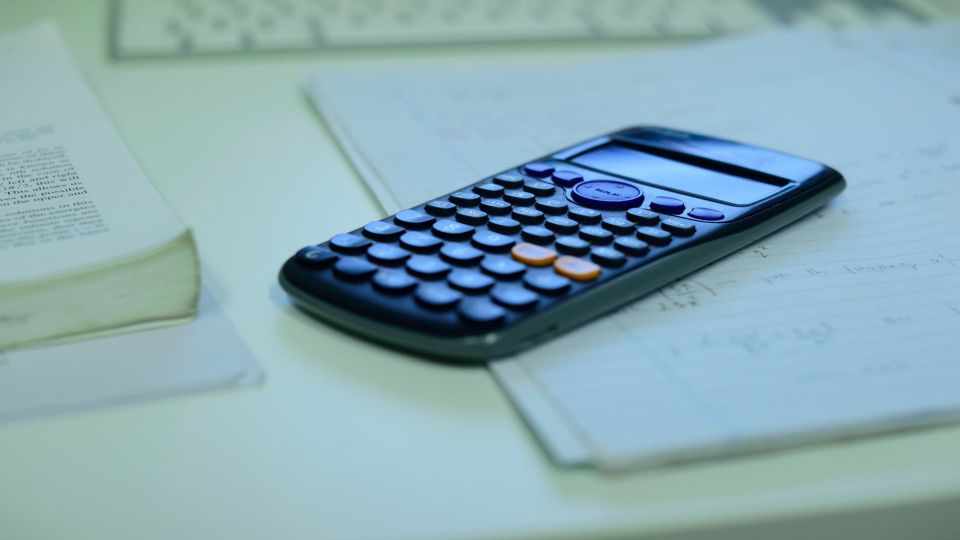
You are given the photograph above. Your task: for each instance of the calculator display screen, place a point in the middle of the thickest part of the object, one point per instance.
(675, 175)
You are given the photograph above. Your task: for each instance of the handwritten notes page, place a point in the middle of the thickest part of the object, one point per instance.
(841, 324)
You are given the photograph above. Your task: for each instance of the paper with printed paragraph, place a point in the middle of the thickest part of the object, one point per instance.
(841, 324)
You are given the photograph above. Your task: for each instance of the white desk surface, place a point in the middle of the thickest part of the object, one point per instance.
(347, 440)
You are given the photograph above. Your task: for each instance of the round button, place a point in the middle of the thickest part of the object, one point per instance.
(668, 205)
(706, 214)
(608, 194)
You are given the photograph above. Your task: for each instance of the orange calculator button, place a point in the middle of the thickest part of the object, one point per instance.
(576, 268)
(533, 254)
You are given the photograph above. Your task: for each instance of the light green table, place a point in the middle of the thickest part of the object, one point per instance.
(346, 440)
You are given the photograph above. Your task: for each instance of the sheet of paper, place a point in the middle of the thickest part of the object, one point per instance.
(841, 324)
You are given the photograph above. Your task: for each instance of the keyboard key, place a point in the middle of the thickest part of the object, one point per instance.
(537, 234)
(437, 296)
(509, 181)
(452, 230)
(495, 207)
(562, 225)
(394, 281)
(514, 297)
(427, 267)
(316, 256)
(678, 227)
(631, 246)
(412, 219)
(585, 215)
(571, 245)
(441, 208)
(471, 216)
(554, 207)
(489, 190)
(642, 217)
(546, 283)
(576, 268)
(596, 235)
(706, 214)
(539, 188)
(354, 269)
(617, 225)
(667, 205)
(461, 255)
(481, 312)
(538, 170)
(657, 237)
(349, 244)
(420, 242)
(520, 198)
(383, 231)
(567, 178)
(527, 215)
(607, 256)
(470, 281)
(608, 194)
(504, 225)
(502, 268)
(465, 198)
(532, 254)
(387, 254)
(492, 241)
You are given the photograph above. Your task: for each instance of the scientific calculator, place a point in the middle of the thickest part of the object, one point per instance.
(540, 249)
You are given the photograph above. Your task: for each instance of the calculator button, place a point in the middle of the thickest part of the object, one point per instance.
(440, 208)
(567, 178)
(514, 297)
(538, 170)
(706, 214)
(509, 181)
(585, 215)
(461, 255)
(427, 267)
(532, 254)
(394, 281)
(471, 216)
(576, 268)
(452, 230)
(608, 194)
(539, 188)
(546, 282)
(527, 215)
(470, 281)
(631, 246)
(437, 296)
(504, 225)
(412, 219)
(562, 225)
(678, 226)
(488, 190)
(383, 231)
(607, 256)
(653, 235)
(464, 198)
(502, 268)
(481, 312)
(667, 205)
(537, 234)
(387, 254)
(349, 244)
(354, 269)
(642, 217)
(596, 235)
(495, 206)
(316, 256)
(491, 241)
(617, 225)
(518, 197)
(555, 207)
(571, 245)
(420, 242)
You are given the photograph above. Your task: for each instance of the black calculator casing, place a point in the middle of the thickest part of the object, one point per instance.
(669, 165)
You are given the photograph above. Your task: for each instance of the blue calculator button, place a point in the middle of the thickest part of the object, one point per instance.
(461, 255)
(437, 296)
(481, 312)
(562, 225)
(488, 190)
(412, 219)
(539, 188)
(383, 231)
(658, 237)
(471, 216)
(470, 281)
(608, 194)
(509, 181)
(495, 206)
(679, 226)
(453, 230)
(520, 198)
(631, 246)
(420, 242)
(394, 281)
(642, 217)
(538, 170)
(596, 235)
(585, 215)
(440, 208)
(354, 269)
(427, 267)
(706, 214)
(571, 245)
(546, 282)
(567, 178)
(503, 268)
(607, 256)
(492, 241)
(554, 207)
(530, 216)
(387, 254)
(514, 297)
(667, 205)
(504, 225)
(617, 225)
(465, 198)
(537, 234)
(316, 256)
(349, 244)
